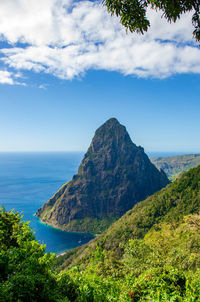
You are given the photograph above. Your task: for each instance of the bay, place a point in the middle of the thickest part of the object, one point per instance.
(27, 180)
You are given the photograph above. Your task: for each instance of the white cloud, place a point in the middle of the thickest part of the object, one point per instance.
(43, 86)
(6, 77)
(66, 39)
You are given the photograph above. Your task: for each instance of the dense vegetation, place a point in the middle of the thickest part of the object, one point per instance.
(175, 166)
(163, 266)
(25, 270)
(152, 253)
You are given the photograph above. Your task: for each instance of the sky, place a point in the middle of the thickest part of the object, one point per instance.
(68, 66)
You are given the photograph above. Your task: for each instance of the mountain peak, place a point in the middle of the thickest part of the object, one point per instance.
(111, 124)
(111, 135)
(111, 121)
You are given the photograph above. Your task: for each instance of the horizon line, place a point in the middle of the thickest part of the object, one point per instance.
(82, 151)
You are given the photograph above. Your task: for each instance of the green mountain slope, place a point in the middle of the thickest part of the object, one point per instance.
(171, 204)
(150, 254)
(174, 166)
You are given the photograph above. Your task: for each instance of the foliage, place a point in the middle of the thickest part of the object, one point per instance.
(133, 13)
(25, 270)
(95, 225)
(163, 266)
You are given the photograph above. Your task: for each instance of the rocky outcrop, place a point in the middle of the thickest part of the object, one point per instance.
(114, 175)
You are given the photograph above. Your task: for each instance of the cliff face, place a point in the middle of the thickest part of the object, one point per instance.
(114, 175)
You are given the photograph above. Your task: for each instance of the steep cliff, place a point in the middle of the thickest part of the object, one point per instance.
(114, 175)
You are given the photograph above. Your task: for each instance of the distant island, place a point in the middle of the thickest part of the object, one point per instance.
(114, 175)
(175, 166)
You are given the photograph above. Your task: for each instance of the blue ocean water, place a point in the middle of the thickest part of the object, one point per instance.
(27, 180)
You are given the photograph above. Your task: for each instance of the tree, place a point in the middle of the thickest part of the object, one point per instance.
(26, 271)
(133, 16)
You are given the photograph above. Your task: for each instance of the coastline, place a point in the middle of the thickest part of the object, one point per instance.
(63, 252)
(62, 229)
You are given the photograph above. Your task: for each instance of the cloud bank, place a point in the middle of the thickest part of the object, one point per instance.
(66, 38)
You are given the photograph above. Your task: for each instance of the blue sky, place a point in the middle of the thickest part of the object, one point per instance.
(61, 79)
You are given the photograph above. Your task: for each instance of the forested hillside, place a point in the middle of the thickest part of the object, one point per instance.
(175, 166)
(152, 252)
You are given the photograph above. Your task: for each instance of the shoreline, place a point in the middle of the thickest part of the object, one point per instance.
(63, 230)
(63, 252)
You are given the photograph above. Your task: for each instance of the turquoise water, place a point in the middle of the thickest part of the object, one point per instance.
(27, 180)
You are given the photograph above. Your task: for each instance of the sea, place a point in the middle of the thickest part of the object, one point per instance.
(28, 180)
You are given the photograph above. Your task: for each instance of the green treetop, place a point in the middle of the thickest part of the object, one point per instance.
(133, 16)
(26, 273)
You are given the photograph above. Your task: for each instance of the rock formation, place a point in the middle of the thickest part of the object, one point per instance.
(113, 176)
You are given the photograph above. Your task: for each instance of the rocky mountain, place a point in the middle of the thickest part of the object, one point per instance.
(113, 176)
